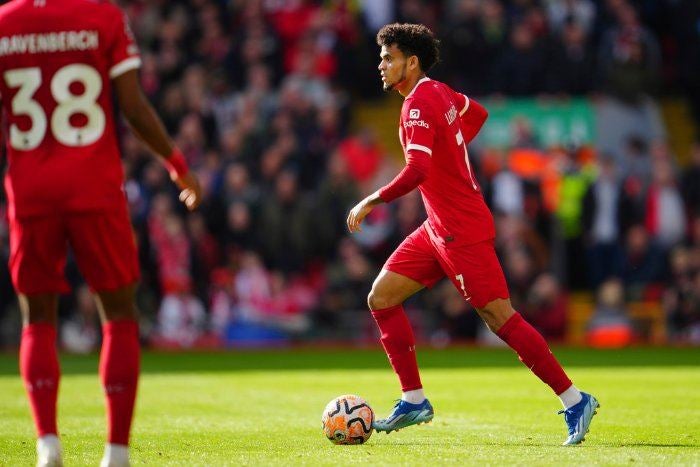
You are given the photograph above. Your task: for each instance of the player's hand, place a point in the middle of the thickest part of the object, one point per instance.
(360, 211)
(191, 193)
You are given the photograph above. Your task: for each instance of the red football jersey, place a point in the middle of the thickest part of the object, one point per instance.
(57, 58)
(430, 122)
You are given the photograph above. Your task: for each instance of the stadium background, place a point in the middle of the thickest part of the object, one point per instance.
(589, 161)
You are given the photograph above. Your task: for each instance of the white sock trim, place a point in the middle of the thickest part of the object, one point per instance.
(48, 448)
(415, 396)
(570, 397)
(117, 454)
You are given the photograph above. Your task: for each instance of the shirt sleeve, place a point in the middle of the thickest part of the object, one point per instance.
(413, 174)
(419, 127)
(462, 102)
(473, 119)
(123, 51)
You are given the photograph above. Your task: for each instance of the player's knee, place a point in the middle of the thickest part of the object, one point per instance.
(378, 301)
(496, 313)
(118, 304)
(488, 318)
(39, 308)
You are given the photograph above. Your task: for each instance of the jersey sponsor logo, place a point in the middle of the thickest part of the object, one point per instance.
(63, 41)
(412, 123)
(451, 115)
(414, 113)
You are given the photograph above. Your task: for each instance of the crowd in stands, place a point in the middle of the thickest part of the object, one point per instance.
(260, 94)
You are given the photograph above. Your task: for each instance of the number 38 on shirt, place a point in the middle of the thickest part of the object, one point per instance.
(68, 104)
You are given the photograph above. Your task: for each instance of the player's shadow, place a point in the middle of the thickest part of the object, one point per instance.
(643, 444)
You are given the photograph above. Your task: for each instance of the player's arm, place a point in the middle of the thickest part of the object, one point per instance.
(413, 174)
(472, 116)
(148, 127)
(419, 125)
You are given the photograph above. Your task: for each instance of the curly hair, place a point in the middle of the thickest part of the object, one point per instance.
(412, 39)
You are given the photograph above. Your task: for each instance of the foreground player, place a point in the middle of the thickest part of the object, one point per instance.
(60, 60)
(456, 240)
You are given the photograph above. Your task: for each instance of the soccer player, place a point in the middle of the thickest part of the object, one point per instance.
(457, 239)
(61, 61)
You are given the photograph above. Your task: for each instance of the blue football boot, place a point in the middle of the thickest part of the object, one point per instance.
(405, 414)
(578, 418)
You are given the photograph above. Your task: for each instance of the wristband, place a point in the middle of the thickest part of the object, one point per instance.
(176, 164)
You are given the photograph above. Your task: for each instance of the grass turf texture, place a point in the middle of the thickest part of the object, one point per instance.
(256, 408)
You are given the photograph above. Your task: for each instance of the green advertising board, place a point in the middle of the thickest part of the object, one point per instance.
(554, 122)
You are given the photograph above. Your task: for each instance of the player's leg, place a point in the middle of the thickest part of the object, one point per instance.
(119, 368)
(533, 351)
(385, 301)
(37, 260)
(105, 251)
(38, 364)
(409, 269)
(476, 272)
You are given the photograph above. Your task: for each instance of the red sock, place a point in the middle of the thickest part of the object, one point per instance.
(38, 365)
(534, 352)
(119, 373)
(399, 345)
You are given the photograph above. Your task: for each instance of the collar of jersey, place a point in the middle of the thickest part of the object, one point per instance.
(420, 81)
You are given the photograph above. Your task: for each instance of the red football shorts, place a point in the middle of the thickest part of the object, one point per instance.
(102, 242)
(473, 269)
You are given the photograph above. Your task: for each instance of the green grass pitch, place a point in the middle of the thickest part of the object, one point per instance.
(264, 408)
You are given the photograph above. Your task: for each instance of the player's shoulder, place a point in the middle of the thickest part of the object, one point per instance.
(10, 9)
(17, 9)
(424, 96)
(104, 8)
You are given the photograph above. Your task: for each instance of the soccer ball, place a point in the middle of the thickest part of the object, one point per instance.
(347, 420)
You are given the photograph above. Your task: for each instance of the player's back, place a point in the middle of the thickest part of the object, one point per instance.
(56, 61)
(457, 213)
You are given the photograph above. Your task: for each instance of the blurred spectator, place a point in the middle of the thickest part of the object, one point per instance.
(546, 307)
(377, 13)
(181, 321)
(284, 226)
(206, 253)
(636, 166)
(562, 13)
(495, 31)
(349, 277)
(629, 57)
(681, 300)
(610, 325)
(171, 247)
(362, 155)
(507, 193)
(684, 16)
(464, 48)
(606, 216)
(690, 182)
(80, 333)
(572, 189)
(334, 198)
(572, 61)
(456, 319)
(665, 211)
(642, 264)
(522, 65)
